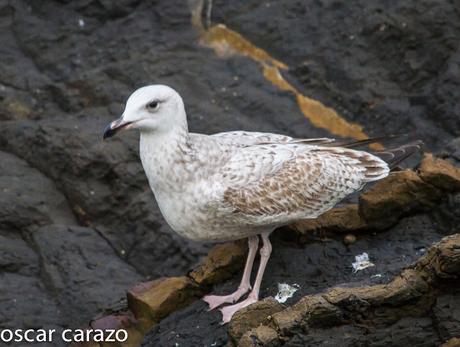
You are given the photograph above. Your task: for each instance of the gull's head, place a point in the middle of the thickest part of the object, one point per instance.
(154, 108)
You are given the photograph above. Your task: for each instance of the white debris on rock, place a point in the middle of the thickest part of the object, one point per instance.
(286, 291)
(361, 262)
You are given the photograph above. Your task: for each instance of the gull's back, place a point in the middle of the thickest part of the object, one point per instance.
(258, 181)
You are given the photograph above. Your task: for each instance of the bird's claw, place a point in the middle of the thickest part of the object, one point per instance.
(215, 301)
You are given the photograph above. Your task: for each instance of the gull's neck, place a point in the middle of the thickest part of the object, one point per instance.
(163, 155)
(176, 138)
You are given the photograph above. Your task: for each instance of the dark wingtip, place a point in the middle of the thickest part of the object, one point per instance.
(396, 155)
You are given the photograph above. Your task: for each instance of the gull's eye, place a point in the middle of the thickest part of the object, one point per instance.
(153, 105)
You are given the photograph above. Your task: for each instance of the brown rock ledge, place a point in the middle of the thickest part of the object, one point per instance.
(412, 293)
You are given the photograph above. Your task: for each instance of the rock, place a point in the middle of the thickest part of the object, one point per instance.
(22, 289)
(16, 256)
(444, 259)
(79, 266)
(440, 173)
(14, 109)
(252, 316)
(446, 313)
(260, 336)
(221, 263)
(339, 219)
(334, 66)
(392, 197)
(409, 294)
(349, 239)
(319, 311)
(419, 331)
(452, 151)
(115, 322)
(315, 267)
(154, 300)
(453, 342)
(28, 199)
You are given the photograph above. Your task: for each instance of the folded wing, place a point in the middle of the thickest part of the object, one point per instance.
(278, 183)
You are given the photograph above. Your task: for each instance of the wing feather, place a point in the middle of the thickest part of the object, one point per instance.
(247, 138)
(287, 182)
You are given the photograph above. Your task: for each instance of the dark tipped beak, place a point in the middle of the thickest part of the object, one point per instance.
(112, 128)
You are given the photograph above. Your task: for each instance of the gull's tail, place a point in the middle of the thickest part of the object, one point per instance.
(392, 156)
(396, 155)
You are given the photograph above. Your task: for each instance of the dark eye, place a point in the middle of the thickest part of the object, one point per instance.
(153, 105)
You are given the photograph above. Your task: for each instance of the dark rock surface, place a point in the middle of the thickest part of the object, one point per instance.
(318, 265)
(77, 264)
(78, 223)
(415, 331)
(389, 65)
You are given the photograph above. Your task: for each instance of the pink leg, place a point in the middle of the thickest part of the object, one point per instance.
(265, 251)
(216, 300)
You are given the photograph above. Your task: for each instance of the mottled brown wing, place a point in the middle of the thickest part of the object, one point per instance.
(303, 185)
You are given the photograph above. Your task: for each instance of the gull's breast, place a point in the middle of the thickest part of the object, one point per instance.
(190, 214)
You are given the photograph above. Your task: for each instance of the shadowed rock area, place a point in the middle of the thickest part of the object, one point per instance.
(79, 226)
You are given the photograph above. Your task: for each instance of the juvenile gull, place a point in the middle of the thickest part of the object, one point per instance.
(239, 184)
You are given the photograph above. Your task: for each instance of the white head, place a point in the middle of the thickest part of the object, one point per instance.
(155, 108)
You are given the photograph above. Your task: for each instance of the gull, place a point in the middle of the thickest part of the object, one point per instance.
(240, 184)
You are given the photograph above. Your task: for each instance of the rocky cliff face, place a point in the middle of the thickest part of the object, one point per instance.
(78, 223)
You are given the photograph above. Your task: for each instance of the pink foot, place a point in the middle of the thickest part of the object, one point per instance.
(229, 311)
(217, 300)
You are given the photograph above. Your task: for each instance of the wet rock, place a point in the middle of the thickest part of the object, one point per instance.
(152, 301)
(14, 109)
(315, 267)
(409, 294)
(221, 263)
(17, 256)
(198, 326)
(453, 342)
(320, 312)
(115, 322)
(440, 173)
(383, 67)
(78, 265)
(28, 199)
(452, 151)
(419, 331)
(251, 317)
(260, 336)
(392, 197)
(339, 219)
(349, 239)
(444, 259)
(24, 296)
(446, 313)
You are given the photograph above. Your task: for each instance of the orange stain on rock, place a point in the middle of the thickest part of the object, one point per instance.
(227, 42)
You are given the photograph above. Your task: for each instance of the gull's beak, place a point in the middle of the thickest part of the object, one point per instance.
(115, 127)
